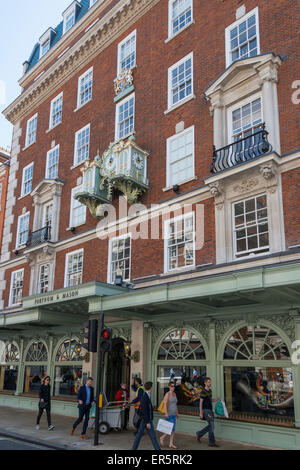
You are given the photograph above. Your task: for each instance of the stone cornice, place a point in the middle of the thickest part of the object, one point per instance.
(100, 36)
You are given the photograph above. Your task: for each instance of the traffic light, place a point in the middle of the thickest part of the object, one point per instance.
(106, 340)
(90, 334)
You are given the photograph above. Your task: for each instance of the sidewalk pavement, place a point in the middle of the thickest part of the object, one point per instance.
(20, 423)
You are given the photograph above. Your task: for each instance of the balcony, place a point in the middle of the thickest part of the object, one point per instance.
(244, 150)
(39, 236)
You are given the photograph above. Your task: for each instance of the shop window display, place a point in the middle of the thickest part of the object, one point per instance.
(181, 356)
(261, 391)
(9, 359)
(67, 375)
(33, 378)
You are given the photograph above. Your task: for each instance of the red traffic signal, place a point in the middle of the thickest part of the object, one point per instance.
(106, 340)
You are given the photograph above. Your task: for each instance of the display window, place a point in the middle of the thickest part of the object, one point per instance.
(258, 382)
(181, 358)
(9, 368)
(36, 360)
(68, 368)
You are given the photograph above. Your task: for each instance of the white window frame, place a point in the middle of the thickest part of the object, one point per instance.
(117, 129)
(233, 25)
(128, 38)
(166, 239)
(170, 28)
(19, 245)
(75, 160)
(74, 191)
(47, 161)
(169, 142)
(68, 255)
(23, 193)
(109, 268)
(68, 12)
(241, 104)
(11, 287)
(27, 143)
(45, 41)
(82, 77)
(250, 254)
(39, 278)
(58, 97)
(172, 105)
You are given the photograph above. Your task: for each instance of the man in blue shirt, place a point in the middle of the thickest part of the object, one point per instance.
(85, 400)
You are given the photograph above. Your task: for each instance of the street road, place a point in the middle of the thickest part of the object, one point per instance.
(13, 444)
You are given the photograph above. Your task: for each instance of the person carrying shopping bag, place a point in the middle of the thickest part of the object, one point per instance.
(147, 419)
(44, 403)
(206, 412)
(171, 413)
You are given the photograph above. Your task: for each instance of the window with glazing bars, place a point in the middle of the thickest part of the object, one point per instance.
(120, 258)
(243, 39)
(180, 242)
(56, 111)
(23, 229)
(181, 12)
(251, 228)
(16, 287)
(85, 87)
(74, 269)
(44, 278)
(52, 163)
(31, 131)
(82, 145)
(125, 118)
(181, 80)
(127, 52)
(27, 179)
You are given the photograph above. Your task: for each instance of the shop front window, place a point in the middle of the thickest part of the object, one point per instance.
(9, 368)
(68, 368)
(35, 367)
(262, 390)
(181, 359)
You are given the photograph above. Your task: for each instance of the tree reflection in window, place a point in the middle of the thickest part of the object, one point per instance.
(256, 343)
(181, 345)
(11, 353)
(69, 350)
(37, 352)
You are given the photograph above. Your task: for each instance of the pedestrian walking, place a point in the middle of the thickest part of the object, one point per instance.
(147, 419)
(44, 403)
(85, 398)
(139, 389)
(171, 413)
(206, 412)
(122, 398)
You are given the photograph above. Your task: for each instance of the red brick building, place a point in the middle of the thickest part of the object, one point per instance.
(170, 103)
(4, 173)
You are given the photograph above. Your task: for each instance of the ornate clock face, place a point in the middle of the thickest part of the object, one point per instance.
(110, 162)
(138, 161)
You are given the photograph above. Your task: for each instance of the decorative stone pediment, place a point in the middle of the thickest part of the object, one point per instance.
(46, 189)
(254, 69)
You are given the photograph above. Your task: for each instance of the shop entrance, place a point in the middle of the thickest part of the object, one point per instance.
(117, 369)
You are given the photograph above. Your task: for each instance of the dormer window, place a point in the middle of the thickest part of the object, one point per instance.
(45, 41)
(69, 16)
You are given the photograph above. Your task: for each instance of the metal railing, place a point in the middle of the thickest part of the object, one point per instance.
(39, 236)
(243, 150)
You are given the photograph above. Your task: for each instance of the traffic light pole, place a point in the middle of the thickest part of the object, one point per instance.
(99, 378)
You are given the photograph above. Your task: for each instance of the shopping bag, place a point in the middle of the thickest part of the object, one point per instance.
(219, 409)
(164, 426)
(161, 407)
(93, 411)
(225, 410)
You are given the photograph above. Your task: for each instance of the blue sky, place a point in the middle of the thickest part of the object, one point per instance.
(22, 24)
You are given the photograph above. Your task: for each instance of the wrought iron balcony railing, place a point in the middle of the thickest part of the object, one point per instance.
(39, 236)
(243, 150)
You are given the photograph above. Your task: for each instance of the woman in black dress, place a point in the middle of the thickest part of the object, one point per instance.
(45, 402)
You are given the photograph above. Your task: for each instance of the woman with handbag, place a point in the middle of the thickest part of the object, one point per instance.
(171, 413)
(45, 402)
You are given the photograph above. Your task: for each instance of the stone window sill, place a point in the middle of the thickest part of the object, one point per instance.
(181, 103)
(178, 32)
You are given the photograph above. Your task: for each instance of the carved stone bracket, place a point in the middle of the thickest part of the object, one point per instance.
(217, 192)
(270, 174)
